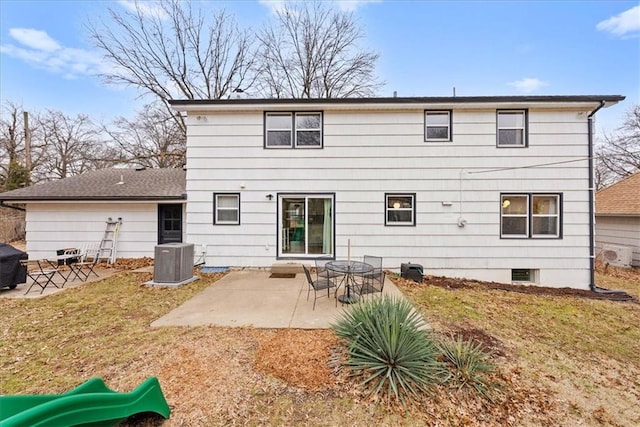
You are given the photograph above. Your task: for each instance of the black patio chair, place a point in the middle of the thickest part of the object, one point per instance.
(319, 285)
(376, 263)
(322, 272)
(372, 283)
(40, 276)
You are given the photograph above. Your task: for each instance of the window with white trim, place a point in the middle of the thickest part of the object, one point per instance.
(293, 130)
(400, 209)
(530, 215)
(226, 208)
(437, 125)
(512, 128)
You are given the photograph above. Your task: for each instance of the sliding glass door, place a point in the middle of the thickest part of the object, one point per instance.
(306, 225)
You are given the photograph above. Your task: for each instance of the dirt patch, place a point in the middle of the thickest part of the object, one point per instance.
(454, 283)
(489, 343)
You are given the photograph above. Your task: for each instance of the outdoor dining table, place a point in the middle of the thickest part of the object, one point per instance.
(348, 269)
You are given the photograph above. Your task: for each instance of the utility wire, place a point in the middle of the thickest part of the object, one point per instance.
(537, 165)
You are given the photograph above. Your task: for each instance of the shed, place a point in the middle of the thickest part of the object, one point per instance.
(73, 211)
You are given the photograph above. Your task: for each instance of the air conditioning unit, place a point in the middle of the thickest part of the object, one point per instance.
(173, 263)
(620, 256)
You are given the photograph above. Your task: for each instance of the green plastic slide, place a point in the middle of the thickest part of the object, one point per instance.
(90, 404)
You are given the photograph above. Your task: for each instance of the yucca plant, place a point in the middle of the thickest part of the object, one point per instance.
(389, 347)
(468, 363)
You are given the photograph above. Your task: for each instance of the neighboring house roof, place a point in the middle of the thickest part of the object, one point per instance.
(622, 198)
(107, 184)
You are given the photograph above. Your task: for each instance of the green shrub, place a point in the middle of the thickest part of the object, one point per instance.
(468, 364)
(388, 346)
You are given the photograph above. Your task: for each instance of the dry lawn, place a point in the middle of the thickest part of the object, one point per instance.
(562, 360)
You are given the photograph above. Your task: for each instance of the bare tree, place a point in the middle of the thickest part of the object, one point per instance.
(11, 137)
(311, 51)
(72, 144)
(618, 154)
(175, 52)
(151, 139)
(13, 153)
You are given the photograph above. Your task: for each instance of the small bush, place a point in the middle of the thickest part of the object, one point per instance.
(468, 364)
(389, 348)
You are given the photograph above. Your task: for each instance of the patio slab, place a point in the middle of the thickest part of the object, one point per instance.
(19, 291)
(251, 298)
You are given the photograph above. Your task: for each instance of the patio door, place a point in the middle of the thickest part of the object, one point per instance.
(305, 225)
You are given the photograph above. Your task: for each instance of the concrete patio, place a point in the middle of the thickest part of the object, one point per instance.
(19, 291)
(251, 298)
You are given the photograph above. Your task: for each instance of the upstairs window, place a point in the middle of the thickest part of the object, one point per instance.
(293, 130)
(400, 209)
(226, 208)
(530, 216)
(512, 128)
(437, 125)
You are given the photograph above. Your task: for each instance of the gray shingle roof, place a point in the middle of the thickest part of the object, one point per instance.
(108, 184)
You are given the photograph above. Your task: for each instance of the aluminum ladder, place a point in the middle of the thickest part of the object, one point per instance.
(108, 244)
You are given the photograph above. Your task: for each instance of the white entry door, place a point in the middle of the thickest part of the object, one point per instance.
(306, 225)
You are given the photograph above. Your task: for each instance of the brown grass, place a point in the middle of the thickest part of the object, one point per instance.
(562, 360)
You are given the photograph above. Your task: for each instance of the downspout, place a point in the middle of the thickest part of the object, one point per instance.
(3, 205)
(592, 216)
(592, 225)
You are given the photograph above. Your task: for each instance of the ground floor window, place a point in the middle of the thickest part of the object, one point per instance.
(400, 209)
(530, 215)
(226, 208)
(306, 225)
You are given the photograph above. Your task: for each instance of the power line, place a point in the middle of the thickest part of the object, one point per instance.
(538, 165)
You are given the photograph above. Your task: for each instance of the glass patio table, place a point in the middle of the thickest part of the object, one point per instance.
(348, 269)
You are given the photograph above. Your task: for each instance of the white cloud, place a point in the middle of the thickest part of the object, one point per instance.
(37, 48)
(344, 5)
(352, 5)
(625, 24)
(274, 5)
(34, 39)
(528, 85)
(145, 8)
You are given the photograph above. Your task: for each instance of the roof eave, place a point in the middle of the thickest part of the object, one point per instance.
(90, 199)
(387, 103)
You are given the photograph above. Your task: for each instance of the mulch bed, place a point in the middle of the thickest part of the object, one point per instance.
(451, 283)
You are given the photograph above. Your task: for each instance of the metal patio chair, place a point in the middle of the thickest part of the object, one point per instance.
(319, 285)
(85, 267)
(372, 283)
(40, 276)
(322, 272)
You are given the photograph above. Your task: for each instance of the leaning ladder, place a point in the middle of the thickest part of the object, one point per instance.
(109, 241)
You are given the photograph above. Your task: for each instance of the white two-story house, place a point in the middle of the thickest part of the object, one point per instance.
(493, 188)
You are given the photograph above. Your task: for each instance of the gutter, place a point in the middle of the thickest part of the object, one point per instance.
(592, 225)
(4, 205)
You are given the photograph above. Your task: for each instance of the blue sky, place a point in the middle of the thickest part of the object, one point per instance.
(426, 48)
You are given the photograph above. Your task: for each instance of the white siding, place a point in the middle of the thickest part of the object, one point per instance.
(619, 231)
(366, 154)
(52, 226)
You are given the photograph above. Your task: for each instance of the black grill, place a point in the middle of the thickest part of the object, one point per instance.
(11, 271)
